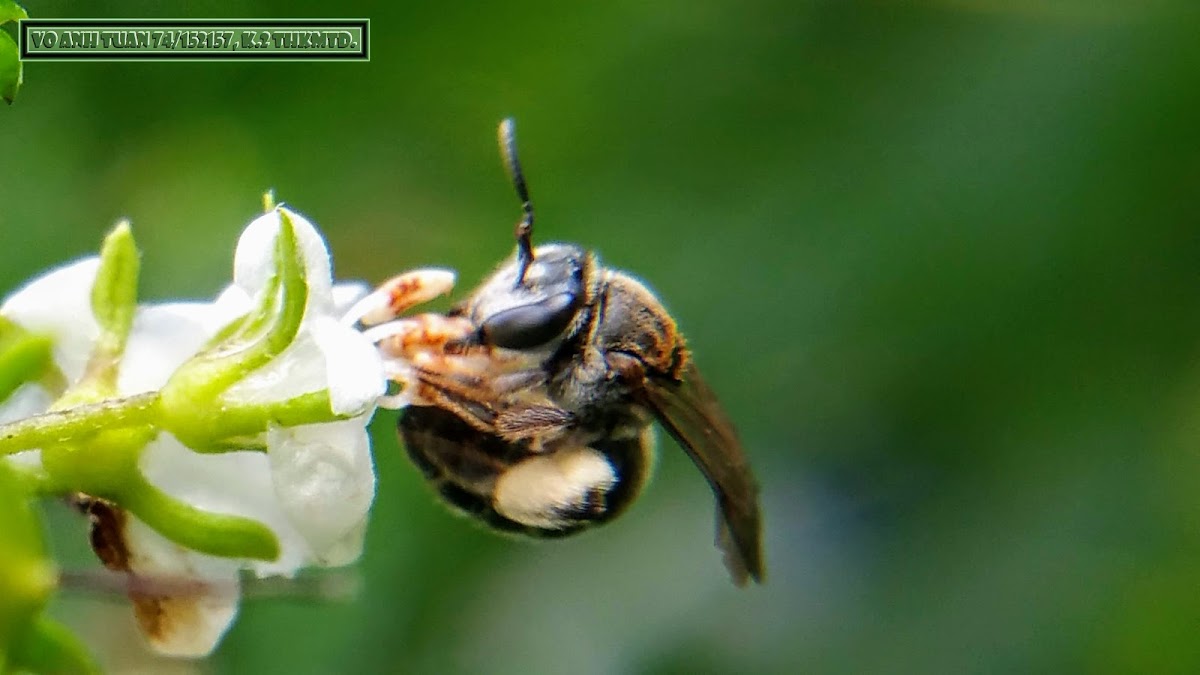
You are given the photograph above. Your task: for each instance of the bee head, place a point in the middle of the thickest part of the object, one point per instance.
(536, 294)
(532, 313)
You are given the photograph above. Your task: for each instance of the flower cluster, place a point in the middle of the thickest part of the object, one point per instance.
(202, 438)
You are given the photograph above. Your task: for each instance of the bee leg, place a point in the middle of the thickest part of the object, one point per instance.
(436, 342)
(479, 401)
(542, 423)
(477, 415)
(421, 334)
(399, 294)
(460, 377)
(535, 420)
(409, 345)
(556, 492)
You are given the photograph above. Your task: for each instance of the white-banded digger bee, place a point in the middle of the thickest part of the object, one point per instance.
(529, 404)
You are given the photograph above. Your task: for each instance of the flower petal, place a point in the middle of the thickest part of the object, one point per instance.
(232, 302)
(233, 482)
(325, 481)
(183, 602)
(59, 304)
(353, 367)
(164, 336)
(254, 261)
(346, 293)
(299, 369)
(28, 400)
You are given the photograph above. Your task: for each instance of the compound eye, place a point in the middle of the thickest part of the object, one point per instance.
(530, 325)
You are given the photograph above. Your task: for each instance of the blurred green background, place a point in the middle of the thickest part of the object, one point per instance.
(941, 260)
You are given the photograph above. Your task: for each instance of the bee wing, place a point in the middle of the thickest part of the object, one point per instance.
(691, 414)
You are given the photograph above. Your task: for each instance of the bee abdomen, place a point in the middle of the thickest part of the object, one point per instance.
(555, 491)
(513, 489)
(576, 487)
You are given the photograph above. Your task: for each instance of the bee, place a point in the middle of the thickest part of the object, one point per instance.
(529, 405)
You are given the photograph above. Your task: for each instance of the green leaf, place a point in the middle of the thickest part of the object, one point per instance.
(11, 11)
(11, 71)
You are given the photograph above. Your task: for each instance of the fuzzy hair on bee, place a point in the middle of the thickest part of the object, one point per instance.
(530, 404)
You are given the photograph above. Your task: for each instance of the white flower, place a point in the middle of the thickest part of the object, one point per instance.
(314, 485)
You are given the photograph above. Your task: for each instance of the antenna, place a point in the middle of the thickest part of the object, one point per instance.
(524, 232)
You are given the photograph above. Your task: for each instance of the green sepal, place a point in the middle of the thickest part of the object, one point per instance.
(194, 408)
(114, 304)
(114, 293)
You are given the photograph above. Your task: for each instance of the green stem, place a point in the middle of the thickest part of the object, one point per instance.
(78, 422)
(241, 422)
(216, 534)
(310, 408)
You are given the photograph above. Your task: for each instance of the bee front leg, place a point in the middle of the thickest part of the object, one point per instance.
(418, 338)
(412, 345)
(400, 294)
